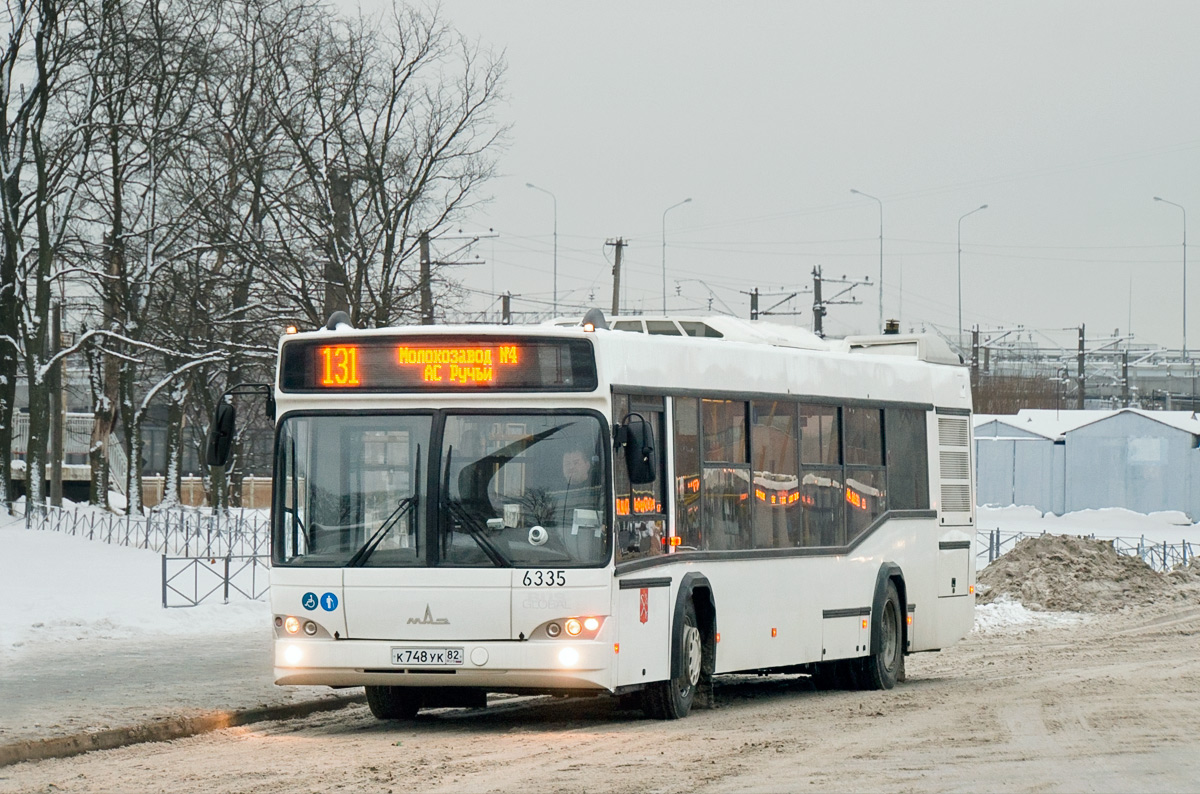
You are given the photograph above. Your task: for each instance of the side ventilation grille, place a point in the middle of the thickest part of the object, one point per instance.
(954, 459)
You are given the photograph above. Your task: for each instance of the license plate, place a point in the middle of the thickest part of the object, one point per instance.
(427, 657)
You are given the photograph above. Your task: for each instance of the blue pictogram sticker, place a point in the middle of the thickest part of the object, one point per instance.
(309, 601)
(329, 602)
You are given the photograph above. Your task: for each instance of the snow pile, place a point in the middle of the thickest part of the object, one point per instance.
(57, 588)
(1061, 573)
(1004, 614)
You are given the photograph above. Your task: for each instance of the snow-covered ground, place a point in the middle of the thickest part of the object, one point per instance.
(56, 588)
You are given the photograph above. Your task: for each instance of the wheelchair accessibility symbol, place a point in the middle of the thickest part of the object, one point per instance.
(309, 601)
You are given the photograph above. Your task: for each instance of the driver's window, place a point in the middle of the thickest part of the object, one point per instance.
(641, 508)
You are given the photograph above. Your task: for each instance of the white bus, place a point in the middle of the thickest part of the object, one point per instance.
(572, 509)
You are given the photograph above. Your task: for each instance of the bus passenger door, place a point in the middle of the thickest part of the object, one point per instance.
(644, 617)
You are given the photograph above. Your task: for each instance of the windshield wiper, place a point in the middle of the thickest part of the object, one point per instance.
(476, 531)
(402, 509)
(368, 548)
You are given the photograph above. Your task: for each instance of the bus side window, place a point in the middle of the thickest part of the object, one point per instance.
(866, 489)
(725, 488)
(907, 459)
(641, 509)
(775, 469)
(821, 496)
(687, 473)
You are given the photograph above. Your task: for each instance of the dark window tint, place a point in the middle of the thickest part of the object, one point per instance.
(907, 459)
(687, 471)
(700, 329)
(864, 436)
(819, 439)
(724, 431)
(866, 499)
(662, 327)
(775, 495)
(726, 508)
(822, 497)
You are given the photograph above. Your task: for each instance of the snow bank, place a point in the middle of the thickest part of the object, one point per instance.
(59, 588)
(1003, 615)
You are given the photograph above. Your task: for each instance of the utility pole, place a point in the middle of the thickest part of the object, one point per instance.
(974, 358)
(1125, 377)
(819, 307)
(56, 408)
(506, 308)
(617, 245)
(754, 304)
(426, 286)
(1079, 376)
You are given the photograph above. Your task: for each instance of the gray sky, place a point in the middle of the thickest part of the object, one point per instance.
(1065, 118)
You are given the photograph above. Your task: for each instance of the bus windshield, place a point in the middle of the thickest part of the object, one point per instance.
(511, 490)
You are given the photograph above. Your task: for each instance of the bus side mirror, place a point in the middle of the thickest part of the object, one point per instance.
(635, 438)
(220, 435)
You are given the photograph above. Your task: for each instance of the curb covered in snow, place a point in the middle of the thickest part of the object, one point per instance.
(163, 730)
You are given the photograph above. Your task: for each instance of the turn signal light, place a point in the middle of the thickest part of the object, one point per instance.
(864, 623)
(574, 627)
(971, 589)
(291, 329)
(292, 624)
(676, 540)
(910, 620)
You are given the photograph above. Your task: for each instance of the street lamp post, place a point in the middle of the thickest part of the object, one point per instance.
(960, 220)
(555, 200)
(873, 198)
(664, 249)
(1181, 209)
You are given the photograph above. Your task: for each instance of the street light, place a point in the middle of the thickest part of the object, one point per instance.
(960, 220)
(868, 195)
(1173, 204)
(664, 250)
(555, 200)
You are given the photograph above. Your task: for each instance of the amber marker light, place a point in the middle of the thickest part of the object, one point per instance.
(616, 647)
(292, 624)
(774, 632)
(291, 329)
(910, 620)
(718, 636)
(676, 540)
(573, 627)
(591, 624)
(864, 623)
(971, 590)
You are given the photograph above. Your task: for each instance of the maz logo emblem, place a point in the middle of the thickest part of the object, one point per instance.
(429, 620)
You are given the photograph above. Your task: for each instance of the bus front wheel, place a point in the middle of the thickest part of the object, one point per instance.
(886, 662)
(393, 702)
(672, 699)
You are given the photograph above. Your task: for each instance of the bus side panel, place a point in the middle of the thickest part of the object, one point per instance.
(644, 616)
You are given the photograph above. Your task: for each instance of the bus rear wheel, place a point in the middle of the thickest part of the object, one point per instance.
(883, 667)
(672, 699)
(393, 702)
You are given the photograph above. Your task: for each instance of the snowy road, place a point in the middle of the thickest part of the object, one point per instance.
(1108, 704)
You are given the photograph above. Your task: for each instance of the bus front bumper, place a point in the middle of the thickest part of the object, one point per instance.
(497, 666)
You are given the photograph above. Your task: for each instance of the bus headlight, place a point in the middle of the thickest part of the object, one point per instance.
(292, 624)
(574, 627)
(292, 654)
(568, 657)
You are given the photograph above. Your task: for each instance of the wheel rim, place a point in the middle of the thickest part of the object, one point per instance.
(890, 639)
(691, 655)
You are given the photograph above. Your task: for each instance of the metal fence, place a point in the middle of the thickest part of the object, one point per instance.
(1160, 556)
(204, 555)
(179, 531)
(187, 581)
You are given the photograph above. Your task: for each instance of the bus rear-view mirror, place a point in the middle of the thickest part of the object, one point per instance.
(638, 443)
(220, 435)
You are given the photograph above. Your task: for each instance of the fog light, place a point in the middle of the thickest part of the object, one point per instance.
(591, 624)
(310, 628)
(292, 624)
(574, 627)
(292, 654)
(554, 630)
(568, 657)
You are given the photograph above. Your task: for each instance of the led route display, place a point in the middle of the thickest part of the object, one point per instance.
(436, 363)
